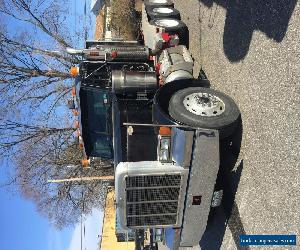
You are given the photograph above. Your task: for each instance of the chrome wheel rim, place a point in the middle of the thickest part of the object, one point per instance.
(167, 22)
(204, 104)
(163, 10)
(158, 1)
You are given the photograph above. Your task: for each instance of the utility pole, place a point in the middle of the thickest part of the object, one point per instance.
(86, 178)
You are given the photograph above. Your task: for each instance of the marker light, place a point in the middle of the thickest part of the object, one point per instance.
(74, 71)
(165, 131)
(77, 132)
(85, 163)
(76, 124)
(75, 112)
(80, 142)
(74, 91)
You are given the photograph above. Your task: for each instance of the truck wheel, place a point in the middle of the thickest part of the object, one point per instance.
(205, 108)
(158, 3)
(163, 12)
(169, 24)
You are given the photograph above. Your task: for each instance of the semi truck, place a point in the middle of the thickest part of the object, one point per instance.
(139, 105)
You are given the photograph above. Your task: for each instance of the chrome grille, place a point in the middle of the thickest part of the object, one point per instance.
(134, 195)
(151, 221)
(152, 200)
(151, 208)
(153, 181)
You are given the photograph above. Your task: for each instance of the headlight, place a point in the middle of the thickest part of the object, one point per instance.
(165, 143)
(164, 155)
(164, 148)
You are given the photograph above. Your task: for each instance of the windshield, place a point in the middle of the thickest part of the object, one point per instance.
(95, 121)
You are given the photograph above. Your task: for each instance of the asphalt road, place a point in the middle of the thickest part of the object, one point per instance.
(250, 50)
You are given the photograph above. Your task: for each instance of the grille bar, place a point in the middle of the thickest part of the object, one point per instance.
(156, 187)
(151, 208)
(150, 215)
(152, 200)
(152, 181)
(151, 221)
(152, 194)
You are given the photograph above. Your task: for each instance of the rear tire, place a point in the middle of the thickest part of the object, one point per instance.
(162, 12)
(205, 108)
(158, 3)
(169, 24)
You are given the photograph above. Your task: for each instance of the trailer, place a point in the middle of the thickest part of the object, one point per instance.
(139, 105)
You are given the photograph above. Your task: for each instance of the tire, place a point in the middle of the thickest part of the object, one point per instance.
(158, 3)
(223, 115)
(169, 24)
(163, 12)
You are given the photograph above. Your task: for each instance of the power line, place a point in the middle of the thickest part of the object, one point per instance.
(75, 16)
(85, 24)
(81, 231)
(81, 217)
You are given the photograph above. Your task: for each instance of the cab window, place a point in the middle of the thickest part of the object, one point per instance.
(95, 121)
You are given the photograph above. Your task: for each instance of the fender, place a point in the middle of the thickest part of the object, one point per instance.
(163, 95)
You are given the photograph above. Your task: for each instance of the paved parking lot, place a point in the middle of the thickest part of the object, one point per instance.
(251, 51)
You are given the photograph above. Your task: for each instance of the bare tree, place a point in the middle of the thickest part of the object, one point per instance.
(36, 138)
(124, 18)
(31, 74)
(47, 16)
(34, 65)
(62, 203)
(43, 153)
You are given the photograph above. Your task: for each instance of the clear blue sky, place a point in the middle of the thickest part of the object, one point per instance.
(22, 228)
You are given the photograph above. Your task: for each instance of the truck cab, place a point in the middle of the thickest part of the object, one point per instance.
(110, 92)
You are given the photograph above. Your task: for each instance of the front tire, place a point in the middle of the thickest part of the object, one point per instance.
(205, 108)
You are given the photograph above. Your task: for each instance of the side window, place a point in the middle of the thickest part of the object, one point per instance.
(97, 111)
(95, 117)
(97, 97)
(101, 146)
